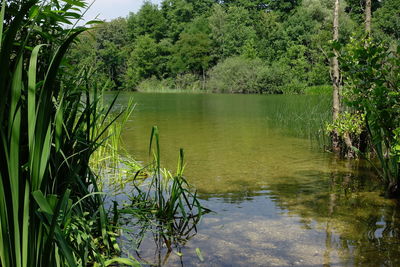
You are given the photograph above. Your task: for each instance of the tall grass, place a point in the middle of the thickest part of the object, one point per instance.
(51, 211)
(304, 117)
(110, 160)
(164, 203)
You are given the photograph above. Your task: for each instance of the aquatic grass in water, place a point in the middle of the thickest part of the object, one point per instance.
(303, 116)
(164, 203)
(110, 160)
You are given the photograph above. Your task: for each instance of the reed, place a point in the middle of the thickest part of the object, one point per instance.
(110, 161)
(51, 211)
(164, 202)
(304, 117)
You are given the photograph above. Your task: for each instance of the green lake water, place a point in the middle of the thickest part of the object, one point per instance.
(278, 198)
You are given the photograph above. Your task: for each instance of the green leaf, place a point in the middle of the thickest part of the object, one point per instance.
(32, 95)
(25, 227)
(14, 164)
(42, 202)
(2, 12)
(125, 261)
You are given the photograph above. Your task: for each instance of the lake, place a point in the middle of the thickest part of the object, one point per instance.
(278, 198)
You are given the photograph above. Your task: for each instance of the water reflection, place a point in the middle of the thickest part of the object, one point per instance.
(361, 226)
(279, 200)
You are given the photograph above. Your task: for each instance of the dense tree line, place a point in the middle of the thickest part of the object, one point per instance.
(262, 46)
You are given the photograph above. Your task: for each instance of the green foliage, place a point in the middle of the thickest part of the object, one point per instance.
(387, 18)
(181, 83)
(372, 80)
(181, 37)
(230, 30)
(103, 47)
(148, 21)
(154, 85)
(356, 8)
(396, 144)
(237, 75)
(270, 39)
(177, 13)
(348, 124)
(191, 53)
(143, 61)
(47, 188)
(319, 90)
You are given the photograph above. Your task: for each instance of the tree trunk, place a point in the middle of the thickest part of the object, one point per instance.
(368, 16)
(335, 77)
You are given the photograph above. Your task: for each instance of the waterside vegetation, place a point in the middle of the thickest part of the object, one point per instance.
(52, 211)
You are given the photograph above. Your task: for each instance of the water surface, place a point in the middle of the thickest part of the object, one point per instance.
(279, 198)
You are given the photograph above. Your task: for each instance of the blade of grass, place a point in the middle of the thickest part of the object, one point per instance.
(14, 164)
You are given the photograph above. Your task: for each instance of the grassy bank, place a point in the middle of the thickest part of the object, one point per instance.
(193, 85)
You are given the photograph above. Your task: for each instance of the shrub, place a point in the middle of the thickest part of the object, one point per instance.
(372, 79)
(237, 75)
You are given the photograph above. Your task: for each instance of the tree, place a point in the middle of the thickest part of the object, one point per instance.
(143, 61)
(230, 30)
(201, 7)
(387, 18)
(335, 77)
(177, 13)
(368, 16)
(237, 75)
(104, 50)
(271, 40)
(191, 54)
(372, 77)
(356, 9)
(283, 7)
(148, 20)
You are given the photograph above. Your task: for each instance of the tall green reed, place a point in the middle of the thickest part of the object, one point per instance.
(164, 203)
(48, 193)
(304, 117)
(110, 160)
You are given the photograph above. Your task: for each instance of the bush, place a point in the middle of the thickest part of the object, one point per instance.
(372, 79)
(237, 75)
(275, 78)
(187, 82)
(153, 85)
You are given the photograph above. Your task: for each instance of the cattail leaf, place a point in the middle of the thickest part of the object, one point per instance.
(32, 94)
(42, 202)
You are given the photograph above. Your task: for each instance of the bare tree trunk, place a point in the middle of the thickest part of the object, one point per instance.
(335, 77)
(368, 16)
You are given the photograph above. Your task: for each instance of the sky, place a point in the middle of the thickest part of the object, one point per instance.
(111, 9)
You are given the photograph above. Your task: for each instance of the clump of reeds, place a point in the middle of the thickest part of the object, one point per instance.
(51, 211)
(164, 201)
(110, 160)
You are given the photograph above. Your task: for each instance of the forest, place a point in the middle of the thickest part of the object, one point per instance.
(229, 46)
